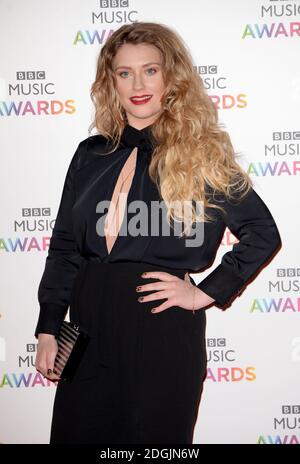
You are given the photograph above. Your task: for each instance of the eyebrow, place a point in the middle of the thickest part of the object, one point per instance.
(128, 67)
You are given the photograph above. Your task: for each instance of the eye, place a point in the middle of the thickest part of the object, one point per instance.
(152, 72)
(153, 69)
(120, 74)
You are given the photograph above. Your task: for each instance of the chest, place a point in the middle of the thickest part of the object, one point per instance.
(98, 184)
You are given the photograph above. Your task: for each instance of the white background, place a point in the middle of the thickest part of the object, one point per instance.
(36, 150)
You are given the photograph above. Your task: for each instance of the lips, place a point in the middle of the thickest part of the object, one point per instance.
(138, 100)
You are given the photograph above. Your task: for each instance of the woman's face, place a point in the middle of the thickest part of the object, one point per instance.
(138, 72)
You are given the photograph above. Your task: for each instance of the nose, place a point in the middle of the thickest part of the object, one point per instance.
(138, 82)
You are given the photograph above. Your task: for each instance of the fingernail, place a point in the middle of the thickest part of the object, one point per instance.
(49, 371)
(153, 310)
(141, 298)
(144, 274)
(138, 288)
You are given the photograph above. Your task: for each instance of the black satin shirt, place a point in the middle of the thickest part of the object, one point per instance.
(91, 177)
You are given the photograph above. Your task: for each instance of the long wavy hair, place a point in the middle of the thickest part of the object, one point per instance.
(193, 158)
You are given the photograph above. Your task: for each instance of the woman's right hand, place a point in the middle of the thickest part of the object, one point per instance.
(46, 353)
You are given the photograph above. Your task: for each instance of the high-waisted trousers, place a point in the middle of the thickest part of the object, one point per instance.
(141, 378)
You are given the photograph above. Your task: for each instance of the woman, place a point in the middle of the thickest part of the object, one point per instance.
(141, 378)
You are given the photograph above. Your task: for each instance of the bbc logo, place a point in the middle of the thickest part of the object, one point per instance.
(31, 75)
(291, 409)
(286, 135)
(114, 3)
(29, 212)
(216, 342)
(288, 272)
(212, 69)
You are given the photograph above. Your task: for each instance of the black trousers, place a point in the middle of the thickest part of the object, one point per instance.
(141, 378)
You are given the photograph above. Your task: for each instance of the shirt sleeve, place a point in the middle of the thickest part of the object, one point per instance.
(62, 262)
(253, 224)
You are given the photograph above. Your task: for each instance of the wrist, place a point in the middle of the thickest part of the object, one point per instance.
(201, 299)
(45, 336)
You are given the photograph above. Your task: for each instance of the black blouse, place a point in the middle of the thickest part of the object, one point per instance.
(91, 178)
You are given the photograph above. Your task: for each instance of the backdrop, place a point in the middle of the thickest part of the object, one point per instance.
(247, 53)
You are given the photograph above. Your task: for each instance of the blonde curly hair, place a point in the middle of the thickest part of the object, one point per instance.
(193, 158)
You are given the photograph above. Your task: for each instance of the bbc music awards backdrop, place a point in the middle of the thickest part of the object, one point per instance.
(247, 53)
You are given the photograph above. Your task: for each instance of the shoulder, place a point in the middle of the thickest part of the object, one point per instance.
(89, 150)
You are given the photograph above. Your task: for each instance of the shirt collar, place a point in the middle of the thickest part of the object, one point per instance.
(142, 138)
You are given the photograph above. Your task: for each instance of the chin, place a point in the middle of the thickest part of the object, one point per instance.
(146, 113)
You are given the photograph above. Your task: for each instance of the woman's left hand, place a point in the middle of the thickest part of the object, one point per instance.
(179, 292)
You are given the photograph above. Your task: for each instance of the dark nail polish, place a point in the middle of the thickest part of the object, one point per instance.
(138, 288)
(140, 298)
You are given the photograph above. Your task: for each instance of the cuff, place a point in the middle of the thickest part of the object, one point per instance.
(50, 319)
(221, 284)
